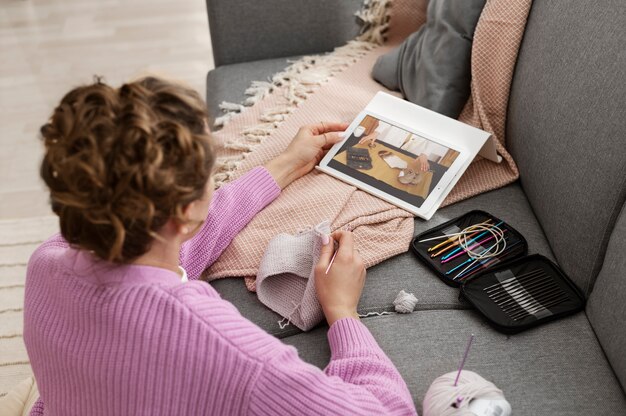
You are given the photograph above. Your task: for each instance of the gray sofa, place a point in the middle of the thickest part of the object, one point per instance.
(566, 129)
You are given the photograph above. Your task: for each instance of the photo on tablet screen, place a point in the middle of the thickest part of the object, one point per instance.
(393, 160)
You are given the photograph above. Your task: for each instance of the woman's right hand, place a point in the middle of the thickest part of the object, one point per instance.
(339, 291)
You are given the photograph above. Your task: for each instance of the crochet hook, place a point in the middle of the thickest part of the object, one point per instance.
(496, 286)
(519, 301)
(521, 287)
(518, 293)
(474, 261)
(332, 259)
(539, 308)
(472, 240)
(482, 262)
(470, 248)
(453, 242)
(469, 344)
(546, 306)
(451, 234)
(453, 237)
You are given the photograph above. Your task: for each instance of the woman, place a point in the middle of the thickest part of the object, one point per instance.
(112, 326)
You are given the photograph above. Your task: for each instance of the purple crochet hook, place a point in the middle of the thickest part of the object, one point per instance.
(469, 344)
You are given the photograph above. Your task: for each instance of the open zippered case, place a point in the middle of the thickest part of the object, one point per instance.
(449, 270)
(513, 291)
(523, 293)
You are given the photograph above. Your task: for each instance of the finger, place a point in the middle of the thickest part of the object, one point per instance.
(346, 243)
(330, 126)
(327, 127)
(327, 140)
(332, 139)
(326, 253)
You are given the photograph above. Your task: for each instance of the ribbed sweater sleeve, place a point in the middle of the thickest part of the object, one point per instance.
(232, 208)
(37, 409)
(359, 380)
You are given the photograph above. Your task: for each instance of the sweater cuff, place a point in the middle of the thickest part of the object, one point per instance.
(348, 337)
(261, 183)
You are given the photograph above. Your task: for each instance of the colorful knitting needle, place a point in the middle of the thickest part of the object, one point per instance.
(488, 262)
(483, 264)
(476, 260)
(455, 236)
(454, 244)
(470, 248)
(470, 259)
(449, 240)
(472, 240)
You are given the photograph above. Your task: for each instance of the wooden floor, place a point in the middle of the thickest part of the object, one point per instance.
(50, 46)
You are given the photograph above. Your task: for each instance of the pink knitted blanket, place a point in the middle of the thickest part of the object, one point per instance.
(262, 131)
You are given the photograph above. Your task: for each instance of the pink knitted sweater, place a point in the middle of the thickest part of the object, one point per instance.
(130, 340)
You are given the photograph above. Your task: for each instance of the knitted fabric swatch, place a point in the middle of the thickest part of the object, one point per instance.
(286, 282)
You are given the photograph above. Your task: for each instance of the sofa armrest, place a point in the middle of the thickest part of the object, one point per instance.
(243, 30)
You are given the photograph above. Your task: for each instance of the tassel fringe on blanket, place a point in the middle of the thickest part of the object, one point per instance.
(299, 80)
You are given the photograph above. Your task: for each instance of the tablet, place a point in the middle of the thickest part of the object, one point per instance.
(402, 164)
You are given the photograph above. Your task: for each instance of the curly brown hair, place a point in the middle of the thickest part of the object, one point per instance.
(120, 163)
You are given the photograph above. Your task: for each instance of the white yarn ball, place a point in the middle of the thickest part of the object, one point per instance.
(441, 397)
(405, 302)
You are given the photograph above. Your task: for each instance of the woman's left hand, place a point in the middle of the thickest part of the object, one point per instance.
(305, 151)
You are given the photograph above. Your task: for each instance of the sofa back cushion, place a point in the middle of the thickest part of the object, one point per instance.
(244, 30)
(607, 304)
(566, 127)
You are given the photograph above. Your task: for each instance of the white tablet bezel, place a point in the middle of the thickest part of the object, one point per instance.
(434, 198)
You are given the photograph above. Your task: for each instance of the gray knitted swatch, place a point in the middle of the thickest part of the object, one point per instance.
(286, 283)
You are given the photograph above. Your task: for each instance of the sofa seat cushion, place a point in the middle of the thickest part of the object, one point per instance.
(404, 271)
(229, 82)
(555, 369)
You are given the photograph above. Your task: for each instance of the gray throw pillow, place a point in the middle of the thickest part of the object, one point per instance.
(432, 66)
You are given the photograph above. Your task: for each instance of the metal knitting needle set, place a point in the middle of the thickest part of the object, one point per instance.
(486, 258)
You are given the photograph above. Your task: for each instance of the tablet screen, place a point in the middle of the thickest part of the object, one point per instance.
(393, 160)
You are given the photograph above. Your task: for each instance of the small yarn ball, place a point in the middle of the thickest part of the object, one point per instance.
(405, 302)
(443, 398)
